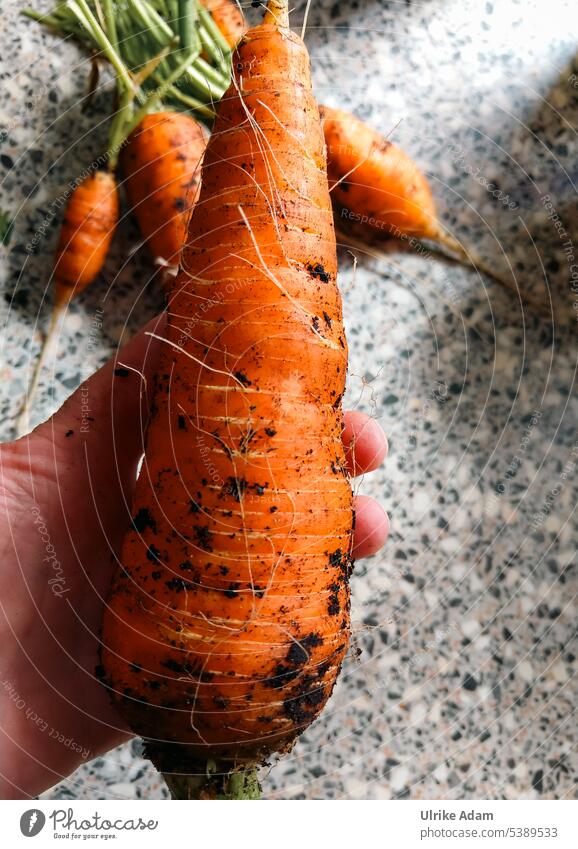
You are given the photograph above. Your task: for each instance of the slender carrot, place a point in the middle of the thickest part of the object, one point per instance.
(373, 182)
(378, 190)
(161, 163)
(89, 223)
(228, 620)
(87, 230)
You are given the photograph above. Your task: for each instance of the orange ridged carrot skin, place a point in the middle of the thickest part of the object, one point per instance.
(228, 17)
(89, 223)
(381, 189)
(375, 186)
(227, 624)
(162, 167)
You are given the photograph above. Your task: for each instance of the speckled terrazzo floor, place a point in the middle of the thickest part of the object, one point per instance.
(461, 682)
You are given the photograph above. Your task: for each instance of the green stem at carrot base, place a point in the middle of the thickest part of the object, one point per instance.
(213, 39)
(207, 82)
(238, 785)
(192, 103)
(154, 102)
(118, 134)
(127, 90)
(202, 778)
(150, 23)
(128, 119)
(63, 26)
(139, 31)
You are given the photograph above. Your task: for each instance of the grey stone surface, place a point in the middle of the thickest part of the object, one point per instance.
(465, 684)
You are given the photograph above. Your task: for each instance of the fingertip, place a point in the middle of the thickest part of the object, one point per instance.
(365, 442)
(371, 526)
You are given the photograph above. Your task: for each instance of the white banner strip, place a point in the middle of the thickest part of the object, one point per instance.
(273, 825)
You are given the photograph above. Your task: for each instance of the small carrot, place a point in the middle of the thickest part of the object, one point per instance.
(378, 190)
(89, 223)
(374, 182)
(227, 622)
(161, 164)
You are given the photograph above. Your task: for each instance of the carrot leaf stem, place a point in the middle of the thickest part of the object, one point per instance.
(244, 784)
(110, 22)
(192, 103)
(6, 228)
(188, 29)
(158, 94)
(63, 24)
(214, 33)
(86, 17)
(118, 129)
(142, 75)
(211, 48)
(147, 42)
(151, 21)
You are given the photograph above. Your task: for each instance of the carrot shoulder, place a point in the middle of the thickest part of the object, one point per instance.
(228, 621)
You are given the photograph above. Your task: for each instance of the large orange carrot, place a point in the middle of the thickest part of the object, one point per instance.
(161, 163)
(228, 620)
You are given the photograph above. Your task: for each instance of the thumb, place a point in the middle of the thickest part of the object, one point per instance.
(97, 436)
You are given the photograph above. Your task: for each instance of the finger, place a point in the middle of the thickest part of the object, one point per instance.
(371, 526)
(365, 443)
